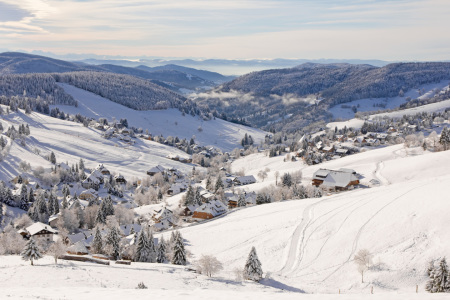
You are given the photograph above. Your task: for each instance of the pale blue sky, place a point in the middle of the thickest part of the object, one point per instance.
(243, 29)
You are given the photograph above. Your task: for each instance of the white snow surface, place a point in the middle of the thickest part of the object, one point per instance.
(71, 141)
(428, 108)
(222, 134)
(429, 90)
(310, 244)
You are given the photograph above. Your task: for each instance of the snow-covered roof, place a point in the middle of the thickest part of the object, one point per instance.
(38, 226)
(321, 174)
(213, 207)
(246, 179)
(78, 247)
(157, 169)
(339, 179)
(163, 213)
(125, 229)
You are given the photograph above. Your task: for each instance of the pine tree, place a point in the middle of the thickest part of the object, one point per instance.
(190, 196)
(208, 184)
(252, 269)
(101, 218)
(441, 278)
(52, 158)
(113, 240)
(31, 251)
(241, 201)
(152, 249)
(430, 287)
(179, 254)
(108, 207)
(1, 213)
(142, 249)
(24, 198)
(219, 184)
(161, 251)
(97, 243)
(81, 164)
(197, 198)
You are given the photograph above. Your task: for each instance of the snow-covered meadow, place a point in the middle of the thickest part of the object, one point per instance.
(170, 122)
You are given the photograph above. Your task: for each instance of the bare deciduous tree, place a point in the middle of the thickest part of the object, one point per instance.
(208, 265)
(363, 260)
(57, 250)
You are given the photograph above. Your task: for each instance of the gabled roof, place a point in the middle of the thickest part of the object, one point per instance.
(38, 226)
(78, 247)
(157, 169)
(213, 207)
(339, 179)
(246, 179)
(163, 213)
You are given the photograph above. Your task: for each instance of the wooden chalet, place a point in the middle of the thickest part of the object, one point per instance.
(210, 210)
(341, 179)
(119, 179)
(41, 232)
(155, 170)
(243, 180)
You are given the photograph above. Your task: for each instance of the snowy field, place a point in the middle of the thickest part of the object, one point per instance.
(305, 246)
(71, 141)
(393, 102)
(170, 122)
(77, 280)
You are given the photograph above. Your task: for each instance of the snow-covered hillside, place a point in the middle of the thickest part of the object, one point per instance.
(71, 141)
(427, 91)
(219, 133)
(428, 108)
(310, 244)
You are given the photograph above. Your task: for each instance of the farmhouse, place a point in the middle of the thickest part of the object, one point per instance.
(89, 194)
(155, 170)
(120, 179)
(210, 210)
(102, 169)
(341, 179)
(163, 213)
(242, 180)
(41, 232)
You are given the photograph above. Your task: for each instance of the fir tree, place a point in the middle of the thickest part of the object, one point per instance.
(152, 249)
(161, 251)
(252, 269)
(97, 243)
(1, 213)
(81, 164)
(52, 158)
(142, 249)
(190, 196)
(219, 184)
(113, 240)
(241, 201)
(24, 198)
(101, 218)
(197, 198)
(179, 254)
(31, 251)
(441, 280)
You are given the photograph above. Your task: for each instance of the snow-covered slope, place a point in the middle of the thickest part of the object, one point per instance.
(219, 133)
(427, 91)
(71, 141)
(310, 244)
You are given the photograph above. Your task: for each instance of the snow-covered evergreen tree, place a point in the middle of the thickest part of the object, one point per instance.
(142, 248)
(152, 248)
(241, 201)
(219, 184)
(52, 158)
(161, 251)
(179, 253)
(441, 282)
(252, 269)
(97, 243)
(190, 196)
(113, 241)
(24, 198)
(31, 251)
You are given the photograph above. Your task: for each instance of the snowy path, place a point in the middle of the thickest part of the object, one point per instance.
(377, 174)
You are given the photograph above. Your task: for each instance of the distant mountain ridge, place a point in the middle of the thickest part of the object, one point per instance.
(295, 97)
(176, 78)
